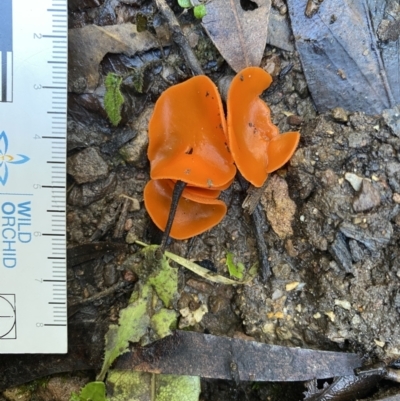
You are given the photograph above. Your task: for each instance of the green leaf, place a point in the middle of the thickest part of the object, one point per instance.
(138, 386)
(134, 321)
(163, 321)
(177, 388)
(93, 391)
(200, 11)
(185, 3)
(234, 270)
(113, 98)
(165, 282)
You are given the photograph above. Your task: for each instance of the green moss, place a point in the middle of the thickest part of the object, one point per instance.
(113, 99)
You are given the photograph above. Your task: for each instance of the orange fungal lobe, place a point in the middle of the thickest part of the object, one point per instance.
(255, 142)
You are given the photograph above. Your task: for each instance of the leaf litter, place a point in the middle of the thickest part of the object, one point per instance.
(247, 31)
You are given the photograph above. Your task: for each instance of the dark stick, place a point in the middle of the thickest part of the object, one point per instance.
(179, 38)
(259, 223)
(176, 195)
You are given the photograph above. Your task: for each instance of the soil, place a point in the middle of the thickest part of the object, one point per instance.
(332, 214)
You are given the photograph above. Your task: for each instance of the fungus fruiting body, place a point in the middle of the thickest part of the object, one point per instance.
(194, 214)
(187, 143)
(193, 151)
(187, 138)
(255, 142)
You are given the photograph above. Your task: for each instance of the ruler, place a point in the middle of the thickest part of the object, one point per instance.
(33, 103)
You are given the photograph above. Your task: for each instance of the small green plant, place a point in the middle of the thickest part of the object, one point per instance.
(113, 99)
(199, 10)
(93, 391)
(235, 270)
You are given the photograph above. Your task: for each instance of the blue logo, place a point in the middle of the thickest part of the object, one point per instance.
(7, 159)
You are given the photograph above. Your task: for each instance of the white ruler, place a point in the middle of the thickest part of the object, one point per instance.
(33, 104)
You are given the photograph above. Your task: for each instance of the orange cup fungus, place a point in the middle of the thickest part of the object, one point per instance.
(189, 141)
(255, 142)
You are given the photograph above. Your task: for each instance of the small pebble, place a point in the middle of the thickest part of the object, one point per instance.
(331, 316)
(379, 343)
(276, 294)
(340, 115)
(128, 224)
(291, 286)
(131, 237)
(368, 198)
(343, 304)
(87, 166)
(294, 120)
(135, 205)
(269, 328)
(354, 180)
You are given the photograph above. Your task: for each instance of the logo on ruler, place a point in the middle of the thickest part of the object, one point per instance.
(8, 329)
(8, 159)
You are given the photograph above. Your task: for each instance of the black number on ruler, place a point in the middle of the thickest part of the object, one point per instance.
(6, 55)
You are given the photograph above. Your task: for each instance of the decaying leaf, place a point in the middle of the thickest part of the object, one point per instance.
(341, 71)
(209, 275)
(165, 282)
(240, 35)
(88, 46)
(203, 272)
(141, 386)
(134, 321)
(278, 206)
(144, 319)
(163, 321)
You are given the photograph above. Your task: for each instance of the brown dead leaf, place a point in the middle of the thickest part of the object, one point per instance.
(278, 206)
(239, 35)
(88, 46)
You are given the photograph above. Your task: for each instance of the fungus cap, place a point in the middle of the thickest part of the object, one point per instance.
(194, 215)
(187, 136)
(255, 142)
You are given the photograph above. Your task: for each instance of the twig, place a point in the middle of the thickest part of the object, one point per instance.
(73, 307)
(179, 38)
(253, 197)
(119, 227)
(176, 196)
(259, 224)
